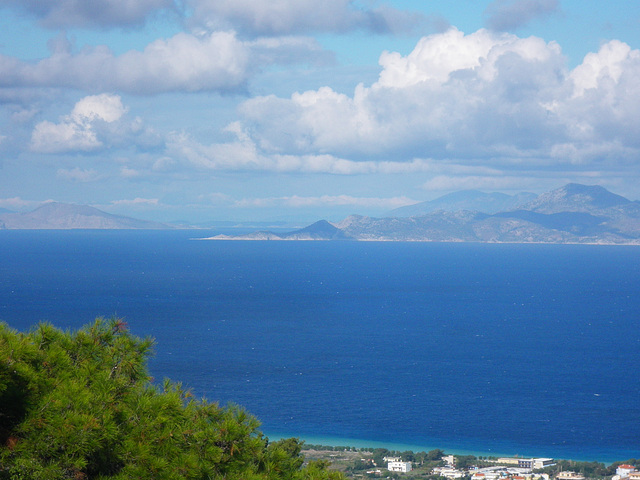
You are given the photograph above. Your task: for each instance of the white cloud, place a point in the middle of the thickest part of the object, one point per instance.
(608, 64)
(98, 107)
(84, 13)
(429, 102)
(76, 132)
(66, 136)
(184, 63)
(436, 57)
(215, 62)
(243, 154)
(211, 62)
(480, 98)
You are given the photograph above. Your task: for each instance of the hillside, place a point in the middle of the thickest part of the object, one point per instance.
(55, 215)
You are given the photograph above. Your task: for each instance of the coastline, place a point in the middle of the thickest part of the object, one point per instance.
(607, 457)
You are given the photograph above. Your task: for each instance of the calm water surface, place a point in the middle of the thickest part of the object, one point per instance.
(494, 349)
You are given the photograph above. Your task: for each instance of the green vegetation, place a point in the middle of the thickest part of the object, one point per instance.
(81, 405)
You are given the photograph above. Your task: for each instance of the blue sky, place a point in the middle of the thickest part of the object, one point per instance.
(202, 110)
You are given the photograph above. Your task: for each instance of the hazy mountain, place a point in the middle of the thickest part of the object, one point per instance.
(321, 230)
(56, 215)
(466, 200)
(571, 214)
(574, 197)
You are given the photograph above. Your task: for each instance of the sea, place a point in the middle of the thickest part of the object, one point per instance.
(489, 349)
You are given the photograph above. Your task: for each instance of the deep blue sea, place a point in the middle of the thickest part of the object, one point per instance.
(484, 348)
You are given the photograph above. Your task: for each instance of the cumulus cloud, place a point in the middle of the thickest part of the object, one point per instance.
(430, 101)
(608, 64)
(76, 131)
(286, 17)
(83, 13)
(509, 15)
(484, 97)
(95, 122)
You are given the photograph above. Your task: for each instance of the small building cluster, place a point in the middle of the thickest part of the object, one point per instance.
(509, 469)
(626, 472)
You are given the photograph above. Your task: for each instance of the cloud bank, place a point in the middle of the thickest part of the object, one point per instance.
(293, 17)
(484, 99)
(85, 13)
(253, 18)
(184, 62)
(476, 97)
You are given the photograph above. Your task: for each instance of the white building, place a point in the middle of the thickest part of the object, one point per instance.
(402, 467)
(543, 462)
(530, 463)
(625, 470)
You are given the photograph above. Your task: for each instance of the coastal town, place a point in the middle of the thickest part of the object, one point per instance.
(435, 465)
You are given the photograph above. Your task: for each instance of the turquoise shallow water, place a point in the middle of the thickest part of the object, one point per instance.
(491, 349)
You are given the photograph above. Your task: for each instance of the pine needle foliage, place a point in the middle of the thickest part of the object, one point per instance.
(81, 405)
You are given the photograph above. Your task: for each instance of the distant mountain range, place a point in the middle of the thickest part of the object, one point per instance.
(572, 214)
(54, 215)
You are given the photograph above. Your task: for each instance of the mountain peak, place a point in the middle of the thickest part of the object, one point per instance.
(320, 230)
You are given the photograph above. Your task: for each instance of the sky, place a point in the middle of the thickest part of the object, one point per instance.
(296, 110)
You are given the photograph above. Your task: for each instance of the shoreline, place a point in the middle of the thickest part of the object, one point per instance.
(605, 458)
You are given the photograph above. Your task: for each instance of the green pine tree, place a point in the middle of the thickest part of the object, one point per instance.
(81, 405)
